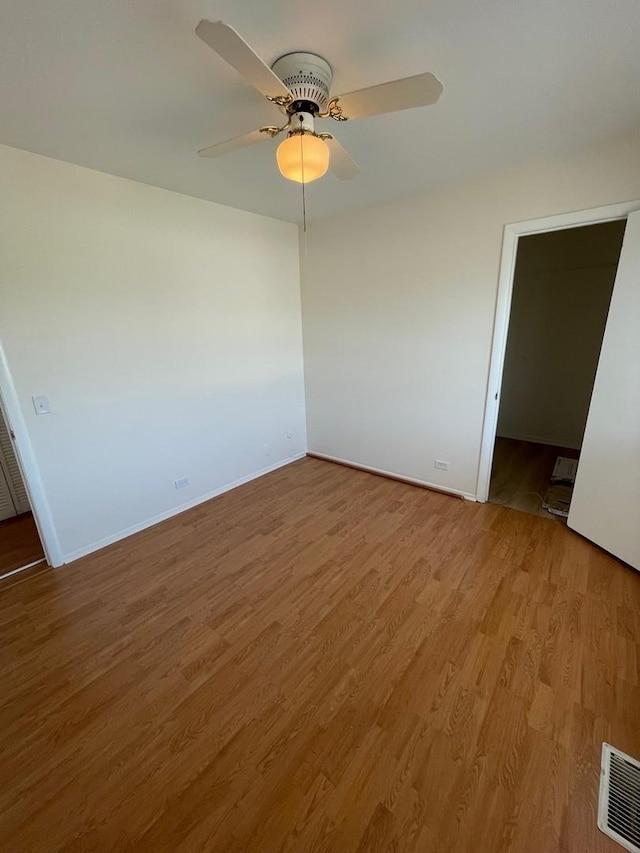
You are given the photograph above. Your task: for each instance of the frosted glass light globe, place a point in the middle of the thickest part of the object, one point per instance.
(303, 157)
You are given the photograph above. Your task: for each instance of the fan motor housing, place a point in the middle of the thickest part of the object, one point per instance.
(308, 78)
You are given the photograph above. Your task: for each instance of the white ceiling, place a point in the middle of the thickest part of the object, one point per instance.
(124, 86)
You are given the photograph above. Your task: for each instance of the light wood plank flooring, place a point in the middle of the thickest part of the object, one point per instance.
(19, 543)
(321, 660)
(521, 473)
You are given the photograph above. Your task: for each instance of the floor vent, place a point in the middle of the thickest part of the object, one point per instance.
(619, 803)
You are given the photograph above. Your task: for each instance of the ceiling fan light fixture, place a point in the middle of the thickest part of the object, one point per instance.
(299, 84)
(303, 157)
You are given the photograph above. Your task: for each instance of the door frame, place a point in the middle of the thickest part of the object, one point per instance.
(512, 233)
(28, 465)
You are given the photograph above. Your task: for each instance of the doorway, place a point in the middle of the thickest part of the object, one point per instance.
(562, 286)
(23, 451)
(20, 545)
(513, 233)
(606, 497)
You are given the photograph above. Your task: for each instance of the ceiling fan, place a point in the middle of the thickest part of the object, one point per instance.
(299, 84)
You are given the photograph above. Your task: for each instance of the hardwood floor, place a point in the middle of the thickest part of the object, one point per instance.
(521, 473)
(19, 543)
(321, 660)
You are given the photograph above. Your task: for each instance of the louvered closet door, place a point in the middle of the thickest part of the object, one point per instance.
(12, 473)
(7, 509)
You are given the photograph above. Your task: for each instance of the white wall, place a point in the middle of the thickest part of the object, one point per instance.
(561, 292)
(398, 311)
(165, 331)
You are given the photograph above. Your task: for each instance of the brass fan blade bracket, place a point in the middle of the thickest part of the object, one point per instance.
(334, 110)
(272, 131)
(281, 100)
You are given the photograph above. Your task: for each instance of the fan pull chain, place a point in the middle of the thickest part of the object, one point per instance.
(304, 200)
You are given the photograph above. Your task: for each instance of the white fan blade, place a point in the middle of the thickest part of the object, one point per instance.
(340, 162)
(419, 91)
(228, 44)
(233, 144)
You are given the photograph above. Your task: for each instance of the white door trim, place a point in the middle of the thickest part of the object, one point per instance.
(512, 234)
(28, 465)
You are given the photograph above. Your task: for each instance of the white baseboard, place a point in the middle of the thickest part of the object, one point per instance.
(436, 487)
(163, 516)
(536, 439)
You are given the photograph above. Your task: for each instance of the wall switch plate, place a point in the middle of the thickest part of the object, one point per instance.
(440, 465)
(40, 404)
(182, 483)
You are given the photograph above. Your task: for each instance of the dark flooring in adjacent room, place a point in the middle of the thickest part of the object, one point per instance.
(320, 660)
(521, 473)
(19, 543)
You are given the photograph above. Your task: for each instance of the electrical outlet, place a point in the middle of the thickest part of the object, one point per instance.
(440, 465)
(182, 483)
